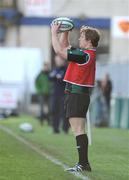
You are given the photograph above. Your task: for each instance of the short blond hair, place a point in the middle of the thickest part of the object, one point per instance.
(91, 34)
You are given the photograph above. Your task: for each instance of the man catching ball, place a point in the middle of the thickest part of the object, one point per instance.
(79, 78)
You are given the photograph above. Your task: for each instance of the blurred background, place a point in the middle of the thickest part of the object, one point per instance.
(25, 45)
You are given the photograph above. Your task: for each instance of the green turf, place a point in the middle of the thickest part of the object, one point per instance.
(109, 153)
(18, 162)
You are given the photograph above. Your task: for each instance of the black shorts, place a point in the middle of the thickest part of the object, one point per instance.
(76, 105)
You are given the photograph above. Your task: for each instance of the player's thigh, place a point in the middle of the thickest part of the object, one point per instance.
(77, 124)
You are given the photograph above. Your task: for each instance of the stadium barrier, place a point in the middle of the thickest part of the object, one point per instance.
(119, 115)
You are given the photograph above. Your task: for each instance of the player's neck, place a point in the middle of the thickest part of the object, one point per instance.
(89, 46)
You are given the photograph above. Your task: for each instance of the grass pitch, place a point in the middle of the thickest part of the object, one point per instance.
(109, 153)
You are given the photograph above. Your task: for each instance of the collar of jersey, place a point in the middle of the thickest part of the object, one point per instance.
(93, 49)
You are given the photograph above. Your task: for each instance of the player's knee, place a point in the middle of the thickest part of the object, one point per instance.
(78, 131)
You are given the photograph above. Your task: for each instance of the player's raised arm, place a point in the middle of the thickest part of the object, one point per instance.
(64, 39)
(57, 45)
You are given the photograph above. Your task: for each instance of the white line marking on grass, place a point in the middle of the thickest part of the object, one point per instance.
(41, 152)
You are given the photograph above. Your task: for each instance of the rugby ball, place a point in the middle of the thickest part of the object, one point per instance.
(66, 24)
(26, 127)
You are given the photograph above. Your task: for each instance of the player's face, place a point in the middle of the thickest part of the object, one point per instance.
(82, 41)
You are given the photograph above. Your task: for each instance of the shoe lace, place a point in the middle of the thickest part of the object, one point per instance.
(78, 167)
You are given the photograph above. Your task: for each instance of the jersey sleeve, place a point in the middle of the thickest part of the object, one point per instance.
(77, 55)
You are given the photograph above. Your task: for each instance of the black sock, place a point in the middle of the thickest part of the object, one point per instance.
(82, 146)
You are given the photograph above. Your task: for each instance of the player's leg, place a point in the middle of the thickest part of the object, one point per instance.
(78, 128)
(55, 114)
(76, 109)
(41, 101)
(65, 123)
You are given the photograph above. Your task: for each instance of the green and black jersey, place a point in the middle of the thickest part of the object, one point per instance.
(78, 56)
(72, 88)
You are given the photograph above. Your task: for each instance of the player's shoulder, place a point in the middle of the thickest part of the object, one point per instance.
(90, 51)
